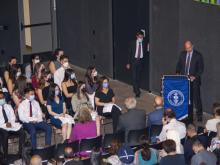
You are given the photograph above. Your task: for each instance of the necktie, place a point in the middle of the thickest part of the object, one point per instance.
(30, 109)
(187, 64)
(4, 114)
(139, 51)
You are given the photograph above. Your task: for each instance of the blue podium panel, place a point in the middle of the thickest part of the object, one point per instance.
(176, 94)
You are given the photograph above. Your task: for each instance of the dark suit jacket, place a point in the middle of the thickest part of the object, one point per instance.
(196, 64)
(134, 119)
(132, 50)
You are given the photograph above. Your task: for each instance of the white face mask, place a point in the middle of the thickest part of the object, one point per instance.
(140, 39)
(18, 74)
(95, 74)
(66, 65)
(36, 61)
(73, 76)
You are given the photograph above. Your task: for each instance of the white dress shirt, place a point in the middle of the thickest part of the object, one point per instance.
(59, 76)
(11, 118)
(211, 124)
(24, 111)
(173, 125)
(136, 53)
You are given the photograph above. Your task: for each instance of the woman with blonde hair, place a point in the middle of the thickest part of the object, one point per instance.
(85, 127)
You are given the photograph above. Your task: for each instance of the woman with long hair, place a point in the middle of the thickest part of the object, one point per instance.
(69, 88)
(57, 111)
(105, 102)
(55, 64)
(38, 69)
(91, 83)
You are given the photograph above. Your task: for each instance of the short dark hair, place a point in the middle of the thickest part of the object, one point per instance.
(217, 111)
(196, 142)
(169, 113)
(12, 58)
(140, 33)
(215, 105)
(68, 152)
(28, 89)
(169, 146)
(63, 57)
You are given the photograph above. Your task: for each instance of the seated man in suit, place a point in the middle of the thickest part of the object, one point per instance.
(155, 117)
(133, 119)
(30, 114)
(8, 126)
(192, 135)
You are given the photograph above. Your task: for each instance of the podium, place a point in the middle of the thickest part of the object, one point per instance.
(176, 94)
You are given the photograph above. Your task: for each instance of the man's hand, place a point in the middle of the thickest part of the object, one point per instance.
(8, 125)
(128, 66)
(192, 78)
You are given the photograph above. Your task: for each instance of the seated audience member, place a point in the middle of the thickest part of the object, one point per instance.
(146, 155)
(4, 90)
(113, 151)
(155, 117)
(59, 73)
(36, 160)
(174, 135)
(85, 127)
(55, 64)
(105, 102)
(9, 126)
(69, 157)
(18, 92)
(211, 123)
(192, 135)
(14, 73)
(91, 81)
(43, 89)
(30, 115)
(215, 143)
(202, 155)
(57, 111)
(81, 99)
(69, 88)
(170, 123)
(172, 157)
(35, 78)
(29, 69)
(137, 116)
(12, 61)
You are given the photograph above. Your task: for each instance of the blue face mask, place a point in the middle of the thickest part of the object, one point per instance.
(2, 101)
(31, 97)
(105, 85)
(57, 92)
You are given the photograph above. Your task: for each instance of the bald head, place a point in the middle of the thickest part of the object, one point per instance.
(36, 160)
(188, 46)
(68, 152)
(158, 101)
(130, 103)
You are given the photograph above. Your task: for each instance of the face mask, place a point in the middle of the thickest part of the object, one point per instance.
(95, 74)
(31, 97)
(105, 85)
(36, 61)
(73, 76)
(18, 74)
(2, 101)
(57, 92)
(66, 65)
(140, 39)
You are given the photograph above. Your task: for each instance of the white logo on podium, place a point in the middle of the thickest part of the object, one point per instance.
(175, 98)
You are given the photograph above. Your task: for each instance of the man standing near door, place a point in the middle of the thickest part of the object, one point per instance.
(137, 53)
(191, 63)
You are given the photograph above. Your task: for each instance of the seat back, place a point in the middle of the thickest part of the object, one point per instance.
(155, 130)
(90, 143)
(46, 153)
(109, 137)
(134, 136)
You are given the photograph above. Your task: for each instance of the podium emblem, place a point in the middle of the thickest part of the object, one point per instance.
(175, 98)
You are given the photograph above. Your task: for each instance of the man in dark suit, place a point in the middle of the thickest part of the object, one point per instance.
(137, 53)
(190, 63)
(134, 119)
